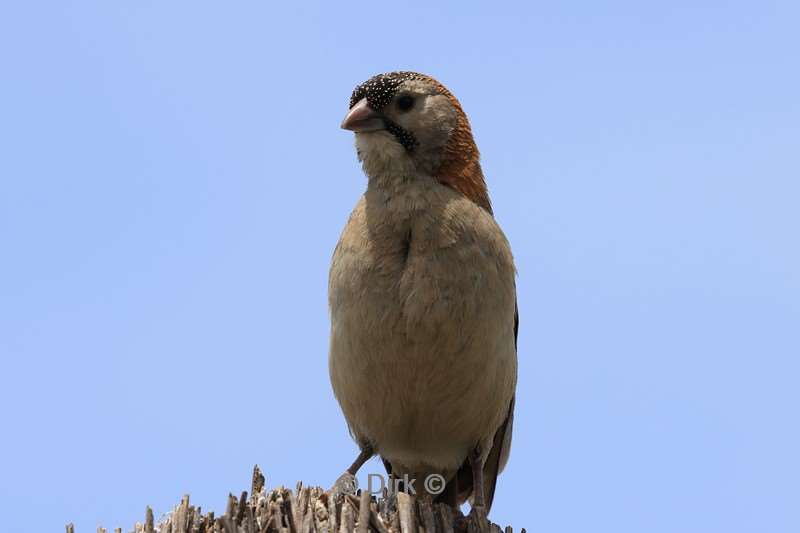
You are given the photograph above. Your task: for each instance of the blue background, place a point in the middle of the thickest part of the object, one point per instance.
(173, 181)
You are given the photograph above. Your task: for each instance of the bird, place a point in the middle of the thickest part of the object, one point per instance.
(422, 297)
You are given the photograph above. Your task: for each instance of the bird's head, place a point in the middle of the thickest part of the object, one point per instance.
(409, 124)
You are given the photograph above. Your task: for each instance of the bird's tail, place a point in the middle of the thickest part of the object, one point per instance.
(460, 488)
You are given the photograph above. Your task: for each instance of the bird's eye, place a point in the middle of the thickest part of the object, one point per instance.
(405, 102)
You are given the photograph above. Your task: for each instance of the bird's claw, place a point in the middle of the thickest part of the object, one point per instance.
(345, 484)
(477, 521)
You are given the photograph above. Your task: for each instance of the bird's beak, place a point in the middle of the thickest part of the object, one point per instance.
(362, 117)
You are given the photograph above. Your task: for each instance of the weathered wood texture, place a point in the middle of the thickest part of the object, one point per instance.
(312, 510)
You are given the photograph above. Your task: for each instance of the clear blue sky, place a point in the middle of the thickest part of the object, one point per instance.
(173, 180)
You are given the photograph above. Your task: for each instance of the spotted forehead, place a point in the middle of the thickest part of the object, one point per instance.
(379, 90)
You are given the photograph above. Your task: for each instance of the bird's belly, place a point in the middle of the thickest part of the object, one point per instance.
(423, 360)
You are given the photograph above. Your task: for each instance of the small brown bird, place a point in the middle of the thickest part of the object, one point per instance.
(423, 357)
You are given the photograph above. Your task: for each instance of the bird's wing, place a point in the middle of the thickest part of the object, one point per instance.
(498, 456)
(501, 448)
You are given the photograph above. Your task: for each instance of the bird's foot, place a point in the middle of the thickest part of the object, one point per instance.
(477, 521)
(345, 484)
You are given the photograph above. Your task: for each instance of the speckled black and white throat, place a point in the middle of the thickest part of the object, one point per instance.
(379, 92)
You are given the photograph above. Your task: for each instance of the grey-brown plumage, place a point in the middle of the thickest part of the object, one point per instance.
(423, 309)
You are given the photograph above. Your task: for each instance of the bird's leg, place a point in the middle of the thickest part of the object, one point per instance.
(366, 454)
(347, 483)
(478, 512)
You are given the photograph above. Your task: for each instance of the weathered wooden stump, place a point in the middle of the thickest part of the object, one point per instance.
(312, 510)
